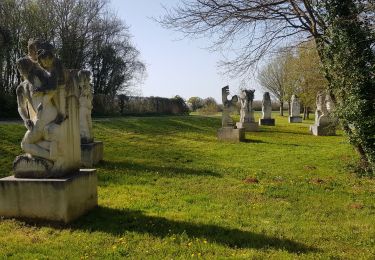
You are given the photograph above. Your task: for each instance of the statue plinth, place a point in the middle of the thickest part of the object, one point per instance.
(231, 134)
(248, 126)
(321, 130)
(57, 200)
(91, 153)
(295, 119)
(269, 121)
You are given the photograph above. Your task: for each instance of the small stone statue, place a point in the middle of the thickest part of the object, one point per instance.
(295, 109)
(266, 111)
(228, 105)
(325, 123)
(247, 112)
(85, 106)
(229, 132)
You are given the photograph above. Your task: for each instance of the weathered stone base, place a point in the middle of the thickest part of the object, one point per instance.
(231, 134)
(249, 126)
(270, 121)
(295, 119)
(91, 153)
(319, 130)
(60, 200)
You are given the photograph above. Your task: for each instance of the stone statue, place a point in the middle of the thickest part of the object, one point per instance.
(247, 112)
(229, 132)
(228, 105)
(266, 111)
(266, 106)
(85, 106)
(320, 103)
(91, 151)
(325, 122)
(246, 99)
(295, 109)
(48, 106)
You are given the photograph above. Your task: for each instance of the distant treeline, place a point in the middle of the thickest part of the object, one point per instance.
(105, 105)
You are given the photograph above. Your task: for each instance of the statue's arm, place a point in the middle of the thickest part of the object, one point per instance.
(22, 104)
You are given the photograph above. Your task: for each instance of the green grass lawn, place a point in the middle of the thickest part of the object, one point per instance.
(169, 189)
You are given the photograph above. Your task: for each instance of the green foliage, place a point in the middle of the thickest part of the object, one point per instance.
(350, 62)
(195, 103)
(168, 189)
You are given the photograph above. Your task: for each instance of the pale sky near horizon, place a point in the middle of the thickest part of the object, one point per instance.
(175, 66)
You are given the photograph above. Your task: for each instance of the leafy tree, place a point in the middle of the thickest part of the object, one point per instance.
(195, 103)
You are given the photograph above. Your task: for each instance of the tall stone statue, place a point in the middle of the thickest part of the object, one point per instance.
(229, 132)
(91, 151)
(48, 104)
(295, 109)
(50, 115)
(247, 113)
(325, 122)
(266, 111)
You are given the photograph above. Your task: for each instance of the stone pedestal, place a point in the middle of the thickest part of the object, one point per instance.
(270, 121)
(91, 153)
(231, 134)
(249, 126)
(320, 130)
(295, 119)
(57, 200)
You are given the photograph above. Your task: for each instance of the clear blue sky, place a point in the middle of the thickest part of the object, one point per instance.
(174, 67)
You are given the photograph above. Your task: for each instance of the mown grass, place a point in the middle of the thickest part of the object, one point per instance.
(169, 189)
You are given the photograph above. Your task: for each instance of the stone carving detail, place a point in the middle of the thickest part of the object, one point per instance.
(228, 105)
(85, 107)
(48, 104)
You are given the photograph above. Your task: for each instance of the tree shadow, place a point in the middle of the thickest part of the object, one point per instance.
(167, 171)
(118, 221)
(253, 141)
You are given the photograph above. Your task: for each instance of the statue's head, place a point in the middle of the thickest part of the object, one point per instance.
(45, 58)
(266, 96)
(34, 45)
(247, 94)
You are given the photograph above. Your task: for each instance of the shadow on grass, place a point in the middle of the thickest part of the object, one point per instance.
(160, 170)
(118, 222)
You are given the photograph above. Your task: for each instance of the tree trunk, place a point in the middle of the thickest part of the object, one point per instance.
(289, 112)
(304, 112)
(281, 108)
(308, 113)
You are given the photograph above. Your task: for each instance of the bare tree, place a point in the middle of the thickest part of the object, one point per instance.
(343, 33)
(273, 77)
